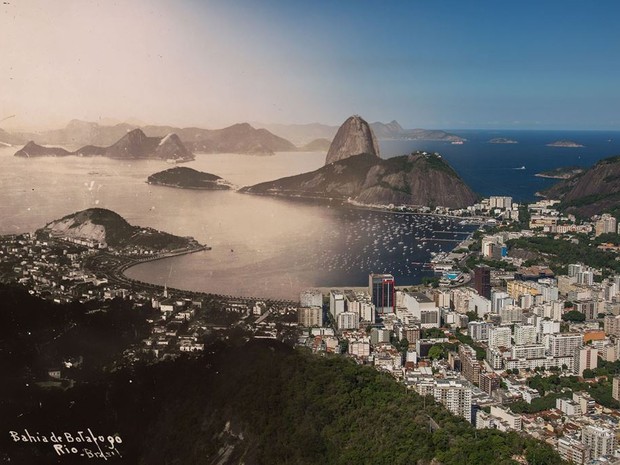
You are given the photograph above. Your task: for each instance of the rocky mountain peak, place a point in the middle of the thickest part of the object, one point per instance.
(354, 137)
(136, 135)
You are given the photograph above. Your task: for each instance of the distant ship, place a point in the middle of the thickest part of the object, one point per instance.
(520, 168)
(457, 142)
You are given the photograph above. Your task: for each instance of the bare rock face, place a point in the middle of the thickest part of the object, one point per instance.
(354, 137)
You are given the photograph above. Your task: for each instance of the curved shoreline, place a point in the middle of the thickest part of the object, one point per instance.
(117, 275)
(549, 176)
(361, 206)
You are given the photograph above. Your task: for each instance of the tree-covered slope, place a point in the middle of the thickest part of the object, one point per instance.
(265, 403)
(595, 191)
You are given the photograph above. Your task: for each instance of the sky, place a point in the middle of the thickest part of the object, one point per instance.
(430, 64)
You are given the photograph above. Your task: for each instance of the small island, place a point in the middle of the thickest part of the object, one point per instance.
(563, 172)
(503, 140)
(564, 143)
(182, 177)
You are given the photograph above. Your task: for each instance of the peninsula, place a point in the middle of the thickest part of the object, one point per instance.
(100, 228)
(353, 172)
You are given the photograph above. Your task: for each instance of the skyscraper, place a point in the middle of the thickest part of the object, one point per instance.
(381, 290)
(482, 281)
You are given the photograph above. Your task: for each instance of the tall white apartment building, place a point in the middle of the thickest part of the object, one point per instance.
(478, 330)
(575, 268)
(525, 334)
(606, 224)
(510, 314)
(553, 310)
(563, 344)
(496, 201)
(600, 440)
(500, 299)
(311, 298)
(528, 351)
(348, 320)
(455, 396)
(336, 303)
(310, 316)
(586, 358)
(500, 337)
(548, 327)
(360, 303)
(585, 278)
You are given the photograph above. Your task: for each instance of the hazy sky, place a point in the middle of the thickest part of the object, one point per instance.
(432, 64)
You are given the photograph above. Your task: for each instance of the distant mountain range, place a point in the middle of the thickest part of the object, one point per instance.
(134, 144)
(8, 139)
(316, 145)
(238, 138)
(303, 133)
(592, 192)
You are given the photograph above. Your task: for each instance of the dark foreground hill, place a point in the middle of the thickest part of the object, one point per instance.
(263, 403)
(415, 179)
(594, 191)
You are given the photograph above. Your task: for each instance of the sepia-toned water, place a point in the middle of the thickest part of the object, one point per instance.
(273, 247)
(261, 246)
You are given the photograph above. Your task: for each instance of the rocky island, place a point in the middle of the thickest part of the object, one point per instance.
(503, 140)
(133, 145)
(354, 172)
(183, 177)
(565, 143)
